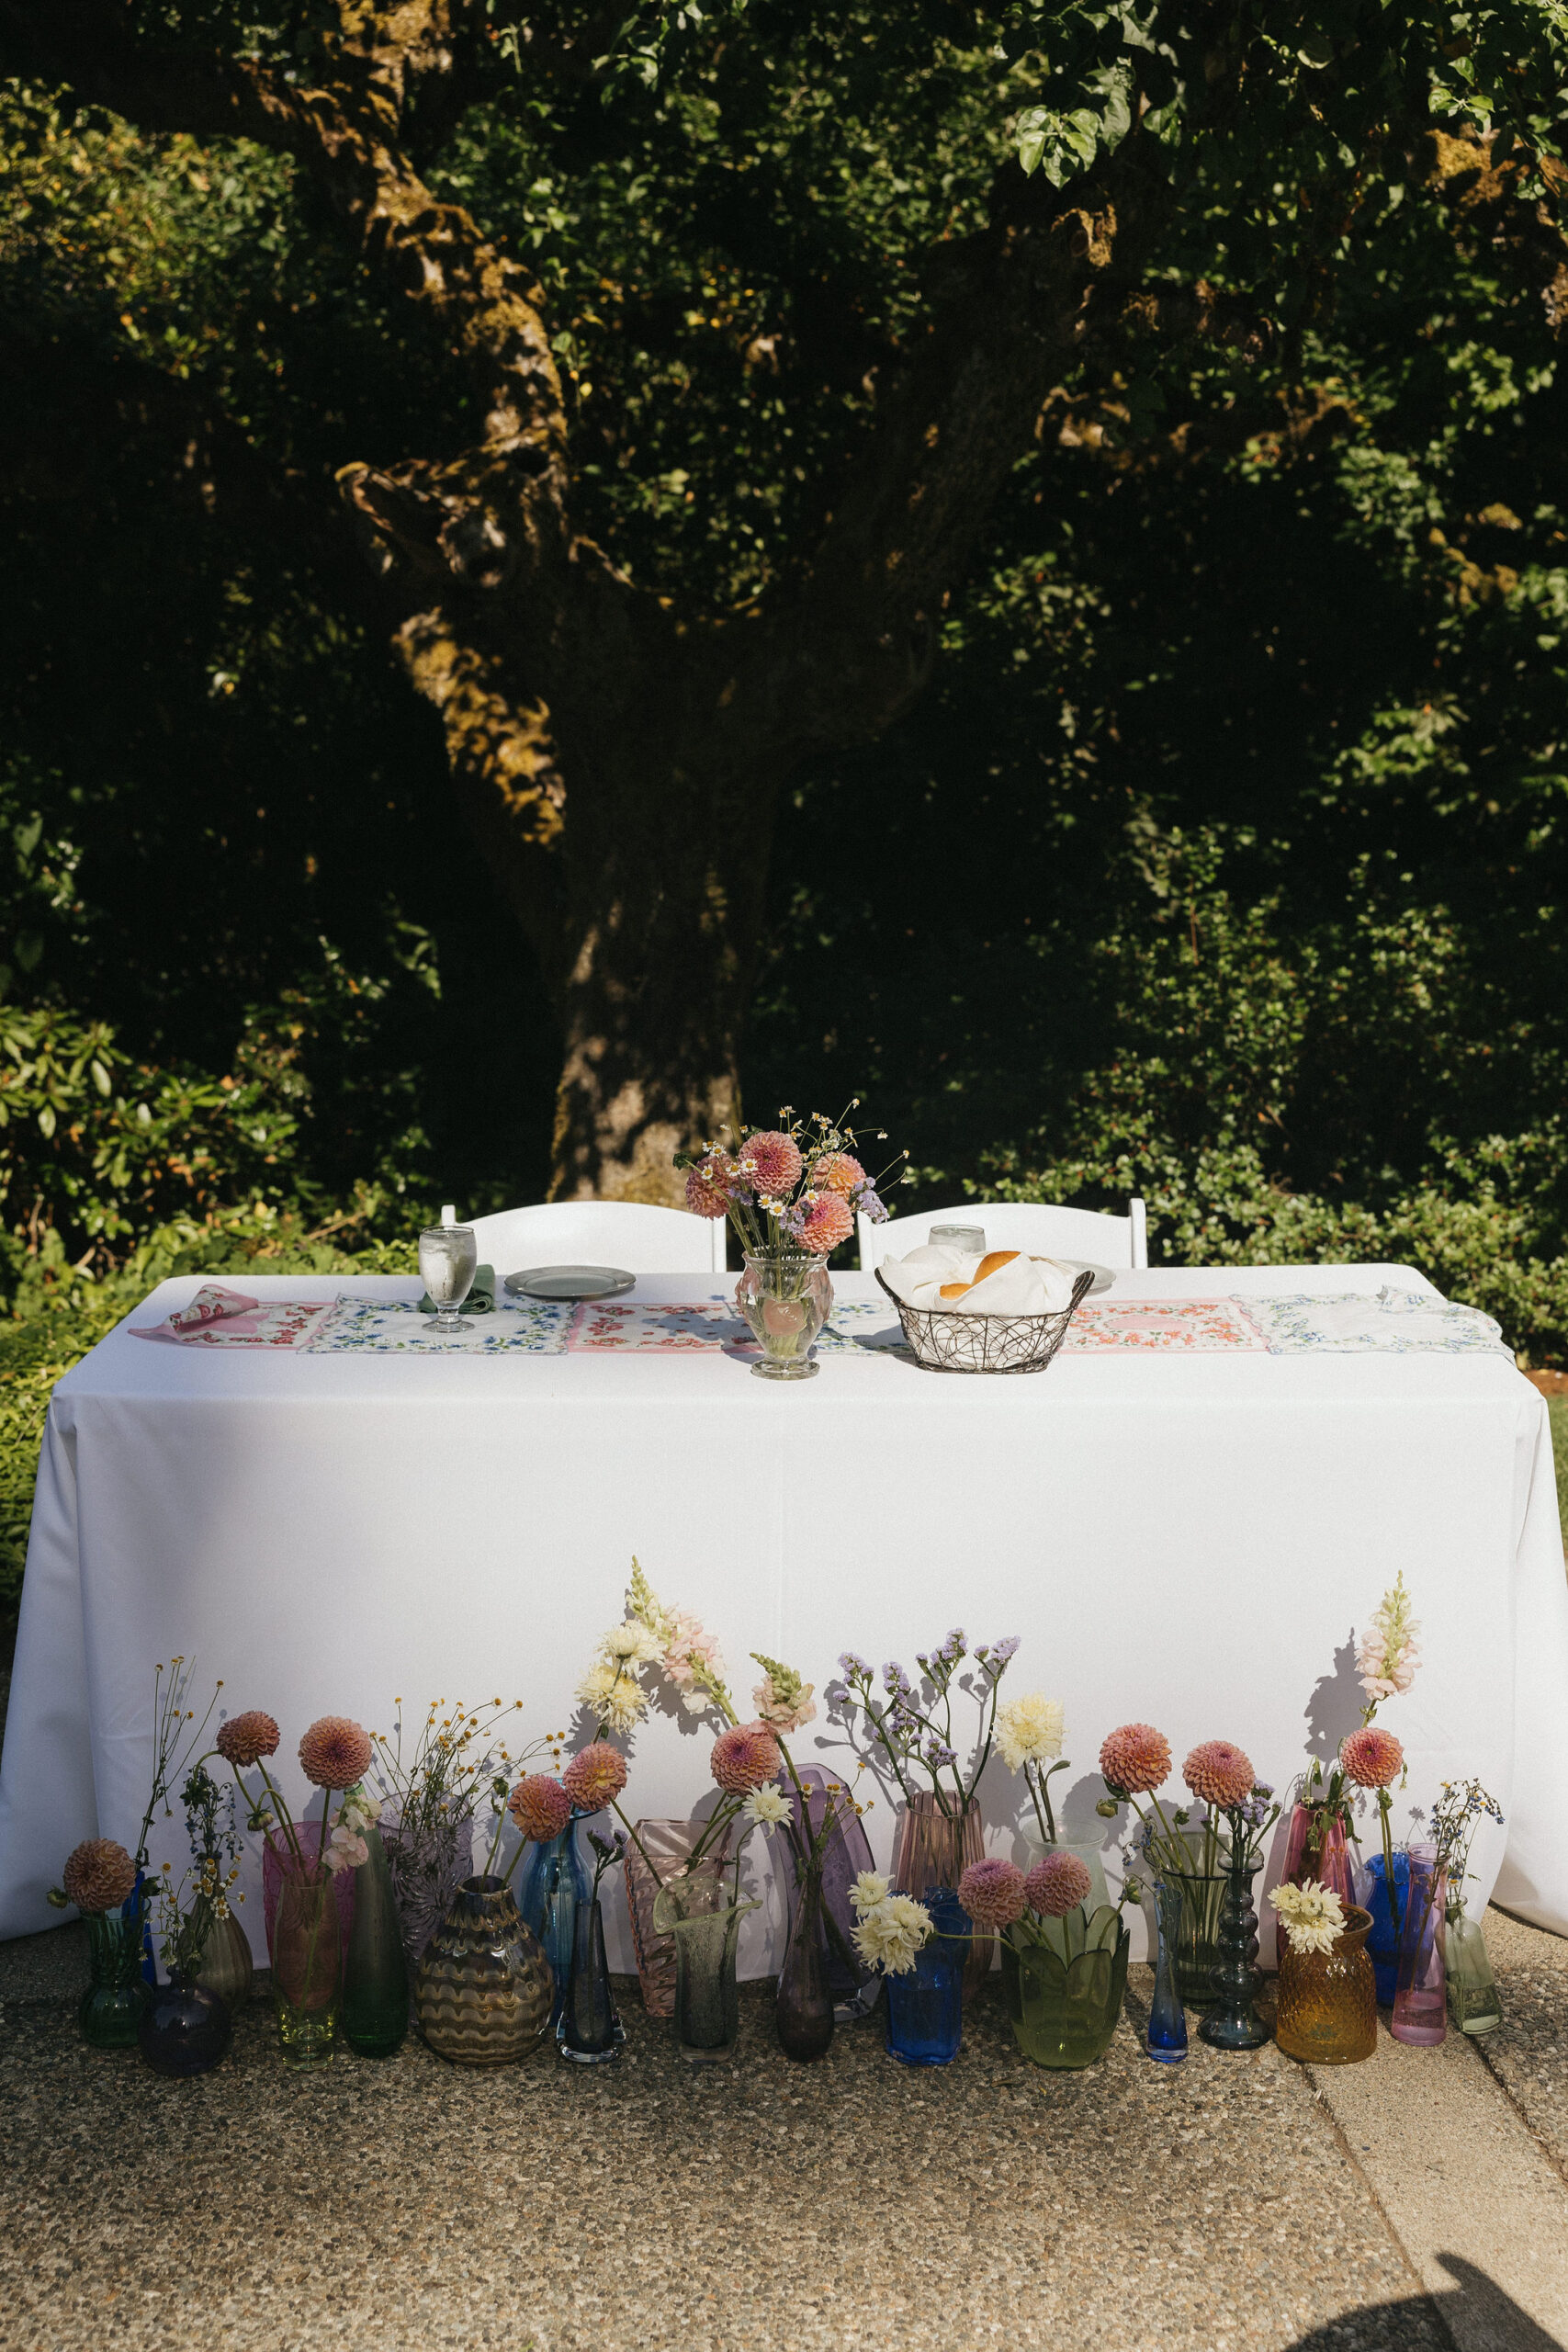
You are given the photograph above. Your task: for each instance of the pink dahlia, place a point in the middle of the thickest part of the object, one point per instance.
(334, 1752)
(1372, 1758)
(244, 1739)
(992, 1893)
(591, 1779)
(709, 1183)
(98, 1876)
(1219, 1773)
(829, 1224)
(744, 1757)
(1136, 1758)
(770, 1164)
(1057, 1885)
(838, 1172)
(540, 1806)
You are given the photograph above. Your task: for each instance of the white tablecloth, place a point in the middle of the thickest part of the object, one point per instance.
(1191, 1541)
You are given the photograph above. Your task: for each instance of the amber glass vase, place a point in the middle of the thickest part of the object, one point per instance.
(1328, 2008)
(935, 1849)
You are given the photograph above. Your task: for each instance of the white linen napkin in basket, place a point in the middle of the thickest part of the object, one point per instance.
(1015, 1283)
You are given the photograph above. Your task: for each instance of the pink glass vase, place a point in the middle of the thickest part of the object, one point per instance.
(1329, 1864)
(278, 1863)
(1420, 1993)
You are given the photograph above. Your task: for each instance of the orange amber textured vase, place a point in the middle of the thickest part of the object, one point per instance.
(1328, 2010)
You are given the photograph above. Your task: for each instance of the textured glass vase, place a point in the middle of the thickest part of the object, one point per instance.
(935, 1849)
(698, 1913)
(375, 1968)
(1327, 2013)
(1420, 1993)
(184, 2029)
(118, 1994)
(1474, 2002)
(307, 1966)
(426, 1864)
(1233, 2023)
(226, 1967)
(1202, 1892)
(1382, 1944)
(786, 1301)
(485, 1993)
(588, 2030)
(803, 2010)
(667, 1844)
(1063, 2012)
(1166, 2035)
(551, 1884)
(925, 2003)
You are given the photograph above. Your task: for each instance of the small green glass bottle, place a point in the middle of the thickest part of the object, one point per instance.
(1474, 2005)
(375, 2016)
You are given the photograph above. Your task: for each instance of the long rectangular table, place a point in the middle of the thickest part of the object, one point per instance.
(1189, 1539)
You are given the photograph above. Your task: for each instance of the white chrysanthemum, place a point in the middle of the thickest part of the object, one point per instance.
(766, 1806)
(631, 1641)
(613, 1694)
(891, 1932)
(1311, 1916)
(868, 1890)
(1029, 1730)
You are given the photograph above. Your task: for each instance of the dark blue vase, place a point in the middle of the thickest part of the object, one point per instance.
(553, 1886)
(925, 2004)
(184, 2029)
(1382, 1944)
(1166, 2040)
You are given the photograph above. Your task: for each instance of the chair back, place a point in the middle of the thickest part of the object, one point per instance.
(643, 1239)
(1035, 1226)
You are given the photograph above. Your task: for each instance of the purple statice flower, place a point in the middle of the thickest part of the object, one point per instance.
(853, 1668)
(868, 1202)
(896, 1683)
(938, 1755)
(998, 1653)
(1255, 1812)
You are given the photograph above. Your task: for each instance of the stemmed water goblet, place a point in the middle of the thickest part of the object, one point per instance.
(449, 1255)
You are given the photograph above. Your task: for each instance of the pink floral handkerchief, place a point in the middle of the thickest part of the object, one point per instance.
(216, 1318)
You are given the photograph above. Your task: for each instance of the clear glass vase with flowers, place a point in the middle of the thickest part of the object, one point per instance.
(1474, 2002)
(309, 1925)
(910, 1733)
(793, 1193)
(1211, 1862)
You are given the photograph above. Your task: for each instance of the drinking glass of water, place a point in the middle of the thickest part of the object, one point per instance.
(447, 1257)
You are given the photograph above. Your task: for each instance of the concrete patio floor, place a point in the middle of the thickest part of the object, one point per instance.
(1232, 2203)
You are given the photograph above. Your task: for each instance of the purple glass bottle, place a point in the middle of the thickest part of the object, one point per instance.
(1420, 1996)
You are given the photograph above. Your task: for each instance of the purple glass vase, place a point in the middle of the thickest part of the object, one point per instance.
(1420, 1993)
(1329, 1864)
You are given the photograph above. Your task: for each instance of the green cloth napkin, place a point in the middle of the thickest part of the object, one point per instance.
(480, 1301)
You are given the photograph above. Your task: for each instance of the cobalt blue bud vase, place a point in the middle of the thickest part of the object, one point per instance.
(925, 2002)
(1166, 2040)
(1382, 1944)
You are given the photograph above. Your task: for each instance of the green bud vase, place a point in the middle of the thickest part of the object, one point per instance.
(375, 2017)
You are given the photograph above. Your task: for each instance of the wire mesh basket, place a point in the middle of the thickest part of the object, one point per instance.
(945, 1341)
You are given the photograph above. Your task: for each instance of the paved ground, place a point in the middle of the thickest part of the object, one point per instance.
(1232, 2205)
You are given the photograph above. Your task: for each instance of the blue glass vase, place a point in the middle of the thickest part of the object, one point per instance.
(1166, 2037)
(554, 1884)
(1382, 1944)
(925, 2003)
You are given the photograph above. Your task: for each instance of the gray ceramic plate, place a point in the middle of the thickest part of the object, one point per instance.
(1103, 1277)
(571, 1282)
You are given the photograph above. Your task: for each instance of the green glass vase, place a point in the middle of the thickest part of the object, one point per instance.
(118, 1994)
(1063, 2008)
(1474, 2005)
(375, 2016)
